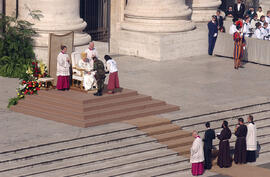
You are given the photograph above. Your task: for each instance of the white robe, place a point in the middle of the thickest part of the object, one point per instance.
(111, 66)
(89, 80)
(246, 29)
(90, 54)
(196, 151)
(251, 137)
(62, 65)
(258, 34)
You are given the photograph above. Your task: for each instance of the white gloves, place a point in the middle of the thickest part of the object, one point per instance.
(215, 35)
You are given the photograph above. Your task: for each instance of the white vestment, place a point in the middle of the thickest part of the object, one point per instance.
(233, 29)
(251, 137)
(89, 80)
(246, 29)
(111, 66)
(62, 65)
(258, 33)
(267, 19)
(196, 151)
(90, 54)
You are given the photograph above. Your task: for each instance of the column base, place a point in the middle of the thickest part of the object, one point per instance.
(160, 46)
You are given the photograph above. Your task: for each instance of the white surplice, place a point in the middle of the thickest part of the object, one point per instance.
(89, 80)
(196, 151)
(90, 54)
(251, 137)
(62, 65)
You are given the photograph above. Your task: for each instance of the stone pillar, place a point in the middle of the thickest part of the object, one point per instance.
(161, 16)
(1, 6)
(265, 5)
(10, 7)
(59, 17)
(156, 30)
(204, 9)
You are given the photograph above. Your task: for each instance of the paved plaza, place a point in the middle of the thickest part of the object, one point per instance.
(198, 85)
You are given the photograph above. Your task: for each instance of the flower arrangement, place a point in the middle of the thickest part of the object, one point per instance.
(37, 70)
(30, 85)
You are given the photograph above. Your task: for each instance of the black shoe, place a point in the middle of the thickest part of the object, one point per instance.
(98, 94)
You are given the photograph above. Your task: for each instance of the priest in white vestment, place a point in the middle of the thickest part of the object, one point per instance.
(197, 155)
(251, 140)
(89, 80)
(63, 66)
(91, 53)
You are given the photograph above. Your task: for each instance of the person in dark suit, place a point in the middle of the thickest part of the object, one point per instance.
(212, 35)
(239, 9)
(208, 145)
(219, 20)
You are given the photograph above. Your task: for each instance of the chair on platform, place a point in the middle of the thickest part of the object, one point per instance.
(77, 72)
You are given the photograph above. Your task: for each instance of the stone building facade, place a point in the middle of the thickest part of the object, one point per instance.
(154, 29)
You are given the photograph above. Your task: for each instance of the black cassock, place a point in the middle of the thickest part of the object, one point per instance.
(207, 147)
(224, 157)
(240, 152)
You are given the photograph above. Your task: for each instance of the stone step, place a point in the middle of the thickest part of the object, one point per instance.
(181, 142)
(110, 164)
(224, 115)
(230, 110)
(139, 167)
(172, 135)
(102, 139)
(95, 113)
(183, 150)
(162, 170)
(232, 122)
(87, 147)
(160, 129)
(85, 107)
(63, 164)
(70, 136)
(148, 122)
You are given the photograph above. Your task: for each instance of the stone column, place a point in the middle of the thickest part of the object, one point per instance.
(59, 17)
(204, 9)
(1, 6)
(160, 16)
(10, 7)
(265, 5)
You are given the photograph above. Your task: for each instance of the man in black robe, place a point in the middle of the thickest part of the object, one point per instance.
(208, 145)
(224, 157)
(240, 151)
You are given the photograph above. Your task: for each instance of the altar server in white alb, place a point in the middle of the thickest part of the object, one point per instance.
(251, 140)
(113, 82)
(89, 80)
(258, 32)
(197, 155)
(63, 66)
(91, 53)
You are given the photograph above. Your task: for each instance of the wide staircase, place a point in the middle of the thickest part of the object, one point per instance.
(115, 149)
(260, 112)
(85, 110)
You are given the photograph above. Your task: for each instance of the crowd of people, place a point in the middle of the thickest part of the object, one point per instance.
(244, 151)
(245, 23)
(94, 71)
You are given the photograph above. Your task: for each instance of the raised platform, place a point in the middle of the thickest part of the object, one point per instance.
(85, 110)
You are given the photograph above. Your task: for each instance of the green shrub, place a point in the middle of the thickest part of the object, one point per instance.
(16, 46)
